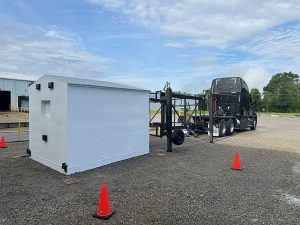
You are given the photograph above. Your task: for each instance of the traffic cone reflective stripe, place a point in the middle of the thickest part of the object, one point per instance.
(103, 211)
(236, 162)
(2, 143)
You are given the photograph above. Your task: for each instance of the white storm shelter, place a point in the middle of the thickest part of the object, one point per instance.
(79, 124)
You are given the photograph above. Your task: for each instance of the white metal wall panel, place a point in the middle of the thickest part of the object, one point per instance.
(53, 123)
(106, 125)
(17, 88)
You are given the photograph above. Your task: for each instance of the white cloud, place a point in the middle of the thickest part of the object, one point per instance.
(257, 78)
(30, 51)
(173, 44)
(277, 43)
(206, 22)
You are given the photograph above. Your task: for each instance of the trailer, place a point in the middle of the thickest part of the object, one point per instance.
(229, 105)
(169, 122)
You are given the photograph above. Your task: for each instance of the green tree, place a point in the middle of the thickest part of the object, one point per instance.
(266, 101)
(205, 95)
(280, 94)
(297, 87)
(256, 99)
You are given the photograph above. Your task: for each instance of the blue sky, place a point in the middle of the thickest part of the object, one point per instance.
(146, 43)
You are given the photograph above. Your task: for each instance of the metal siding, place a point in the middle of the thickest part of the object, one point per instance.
(17, 88)
(116, 121)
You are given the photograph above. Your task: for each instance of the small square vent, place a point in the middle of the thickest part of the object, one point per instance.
(50, 85)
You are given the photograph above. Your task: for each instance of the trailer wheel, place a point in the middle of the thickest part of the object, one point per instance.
(177, 137)
(222, 128)
(254, 123)
(230, 127)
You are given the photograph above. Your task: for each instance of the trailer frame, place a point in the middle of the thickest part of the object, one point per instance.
(168, 126)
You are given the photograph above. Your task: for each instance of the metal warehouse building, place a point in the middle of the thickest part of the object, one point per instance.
(14, 94)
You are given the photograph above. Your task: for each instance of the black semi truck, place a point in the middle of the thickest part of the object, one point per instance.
(232, 106)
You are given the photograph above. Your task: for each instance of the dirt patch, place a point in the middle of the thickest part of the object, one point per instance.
(13, 117)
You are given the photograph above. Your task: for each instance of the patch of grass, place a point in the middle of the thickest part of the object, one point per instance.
(279, 114)
(180, 112)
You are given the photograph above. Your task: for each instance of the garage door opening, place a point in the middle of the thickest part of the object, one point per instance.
(23, 102)
(4, 100)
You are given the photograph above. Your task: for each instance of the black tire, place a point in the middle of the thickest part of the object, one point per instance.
(254, 124)
(222, 128)
(230, 127)
(177, 137)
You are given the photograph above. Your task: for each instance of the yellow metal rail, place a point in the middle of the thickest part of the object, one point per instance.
(18, 131)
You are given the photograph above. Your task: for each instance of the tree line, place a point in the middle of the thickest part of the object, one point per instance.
(281, 94)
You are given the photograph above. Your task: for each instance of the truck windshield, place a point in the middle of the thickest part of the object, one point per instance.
(226, 85)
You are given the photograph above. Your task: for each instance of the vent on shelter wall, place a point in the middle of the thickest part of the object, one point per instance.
(28, 152)
(38, 86)
(64, 166)
(44, 137)
(50, 85)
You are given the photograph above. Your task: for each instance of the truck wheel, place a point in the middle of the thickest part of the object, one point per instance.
(254, 123)
(177, 137)
(222, 128)
(230, 127)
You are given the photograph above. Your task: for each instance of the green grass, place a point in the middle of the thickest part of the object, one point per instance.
(180, 112)
(279, 114)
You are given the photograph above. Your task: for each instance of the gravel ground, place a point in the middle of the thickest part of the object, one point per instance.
(192, 185)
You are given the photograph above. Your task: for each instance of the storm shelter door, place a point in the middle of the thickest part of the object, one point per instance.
(4, 100)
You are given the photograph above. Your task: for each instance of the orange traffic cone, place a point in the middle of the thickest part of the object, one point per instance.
(236, 162)
(103, 211)
(2, 143)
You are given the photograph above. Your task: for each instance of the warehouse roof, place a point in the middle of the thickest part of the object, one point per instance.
(95, 83)
(15, 79)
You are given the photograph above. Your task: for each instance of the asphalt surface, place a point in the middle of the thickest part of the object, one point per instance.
(11, 134)
(192, 185)
(9, 126)
(273, 132)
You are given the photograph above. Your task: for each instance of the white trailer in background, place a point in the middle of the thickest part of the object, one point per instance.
(79, 124)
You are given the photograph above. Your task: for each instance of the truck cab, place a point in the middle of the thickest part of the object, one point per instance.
(232, 105)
